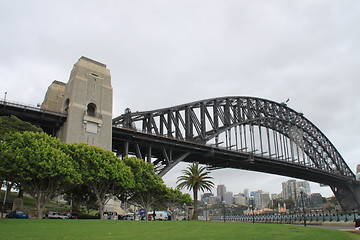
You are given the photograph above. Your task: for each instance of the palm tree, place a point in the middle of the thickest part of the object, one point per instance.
(195, 178)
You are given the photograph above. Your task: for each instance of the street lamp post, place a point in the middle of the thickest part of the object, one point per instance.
(252, 208)
(206, 212)
(223, 203)
(185, 209)
(303, 204)
(337, 214)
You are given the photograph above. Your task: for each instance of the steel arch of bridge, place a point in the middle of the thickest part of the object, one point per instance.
(244, 124)
(257, 128)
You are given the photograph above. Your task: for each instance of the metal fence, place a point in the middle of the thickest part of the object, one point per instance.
(292, 217)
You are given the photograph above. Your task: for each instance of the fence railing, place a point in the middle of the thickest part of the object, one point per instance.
(291, 217)
(6, 103)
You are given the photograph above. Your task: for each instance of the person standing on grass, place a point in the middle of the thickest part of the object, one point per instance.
(357, 224)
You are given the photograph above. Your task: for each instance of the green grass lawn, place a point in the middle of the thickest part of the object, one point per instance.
(106, 229)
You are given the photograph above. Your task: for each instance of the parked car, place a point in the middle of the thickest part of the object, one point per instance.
(129, 216)
(17, 214)
(56, 215)
(72, 215)
(108, 215)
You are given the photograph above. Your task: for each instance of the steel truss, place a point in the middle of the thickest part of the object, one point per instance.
(258, 128)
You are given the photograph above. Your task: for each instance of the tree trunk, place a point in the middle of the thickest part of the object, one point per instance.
(8, 188)
(101, 209)
(21, 193)
(39, 208)
(147, 209)
(195, 214)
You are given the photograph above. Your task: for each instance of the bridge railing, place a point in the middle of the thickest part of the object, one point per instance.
(5, 103)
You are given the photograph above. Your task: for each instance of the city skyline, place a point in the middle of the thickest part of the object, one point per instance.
(292, 192)
(247, 191)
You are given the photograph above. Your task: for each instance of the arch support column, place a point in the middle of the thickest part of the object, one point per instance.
(348, 196)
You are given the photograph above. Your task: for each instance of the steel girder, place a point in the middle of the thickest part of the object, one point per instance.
(270, 136)
(207, 120)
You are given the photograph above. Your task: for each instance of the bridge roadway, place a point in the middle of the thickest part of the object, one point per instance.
(216, 157)
(165, 153)
(49, 121)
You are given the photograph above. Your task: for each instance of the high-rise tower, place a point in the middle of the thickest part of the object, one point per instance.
(221, 189)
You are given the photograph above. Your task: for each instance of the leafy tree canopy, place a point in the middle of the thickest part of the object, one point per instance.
(14, 124)
(175, 198)
(144, 174)
(101, 171)
(149, 190)
(38, 162)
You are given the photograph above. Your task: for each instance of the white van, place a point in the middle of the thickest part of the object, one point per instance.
(111, 215)
(160, 215)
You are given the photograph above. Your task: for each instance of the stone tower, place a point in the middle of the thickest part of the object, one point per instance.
(88, 104)
(54, 98)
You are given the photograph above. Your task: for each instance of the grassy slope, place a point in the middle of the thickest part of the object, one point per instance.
(29, 204)
(107, 229)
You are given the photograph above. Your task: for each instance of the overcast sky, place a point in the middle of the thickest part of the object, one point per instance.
(166, 53)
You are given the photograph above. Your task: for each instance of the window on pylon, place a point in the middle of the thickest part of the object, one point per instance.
(91, 109)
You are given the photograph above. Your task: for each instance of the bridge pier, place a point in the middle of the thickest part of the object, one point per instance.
(348, 196)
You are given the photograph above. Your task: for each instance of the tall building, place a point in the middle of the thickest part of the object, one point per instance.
(265, 199)
(205, 197)
(228, 198)
(291, 189)
(221, 189)
(274, 196)
(305, 185)
(246, 193)
(261, 199)
(212, 200)
(239, 199)
(257, 198)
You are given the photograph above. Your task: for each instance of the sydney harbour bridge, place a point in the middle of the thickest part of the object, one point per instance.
(229, 132)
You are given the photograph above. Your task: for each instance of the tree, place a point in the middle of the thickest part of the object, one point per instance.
(13, 124)
(195, 178)
(38, 162)
(149, 189)
(81, 198)
(175, 199)
(102, 172)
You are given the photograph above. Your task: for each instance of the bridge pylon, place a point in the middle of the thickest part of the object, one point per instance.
(87, 101)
